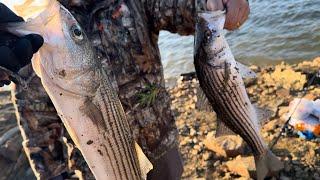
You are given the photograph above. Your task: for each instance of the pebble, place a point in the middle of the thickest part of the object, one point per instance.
(206, 156)
(193, 132)
(195, 140)
(194, 152)
(217, 163)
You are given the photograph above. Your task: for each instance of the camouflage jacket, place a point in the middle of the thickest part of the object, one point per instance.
(125, 34)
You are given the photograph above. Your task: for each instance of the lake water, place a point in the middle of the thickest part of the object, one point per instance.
(287, 30)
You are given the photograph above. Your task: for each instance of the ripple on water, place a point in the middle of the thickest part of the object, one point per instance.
(276, 30)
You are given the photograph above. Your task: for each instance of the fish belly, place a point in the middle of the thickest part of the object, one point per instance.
(100, 130)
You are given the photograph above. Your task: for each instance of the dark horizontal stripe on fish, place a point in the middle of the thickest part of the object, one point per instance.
(250, 137)
(249, 123)
(112, 158)
(201, 48)
(116, 111)
(119, 143)
(236, 124)
(236, 95)
(113, 142)
(131, 150)
(126, 146)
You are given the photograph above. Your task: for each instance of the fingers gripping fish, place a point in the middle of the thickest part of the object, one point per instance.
(83, 96)
(220, 78)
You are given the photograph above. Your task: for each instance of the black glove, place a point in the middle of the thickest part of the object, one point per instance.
(15, 52)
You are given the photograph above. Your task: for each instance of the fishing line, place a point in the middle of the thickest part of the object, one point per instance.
(317, 74)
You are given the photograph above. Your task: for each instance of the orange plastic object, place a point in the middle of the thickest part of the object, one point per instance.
(300, 127)
(316, 130)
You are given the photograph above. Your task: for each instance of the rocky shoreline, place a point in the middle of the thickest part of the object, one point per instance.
(273, 89)
(203, 154)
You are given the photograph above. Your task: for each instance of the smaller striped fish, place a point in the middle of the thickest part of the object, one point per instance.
(82, 95)
(220, 78)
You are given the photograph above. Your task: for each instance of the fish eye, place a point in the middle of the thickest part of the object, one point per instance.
(76, 33)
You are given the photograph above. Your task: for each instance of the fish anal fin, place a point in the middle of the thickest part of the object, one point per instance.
(223, 129)
(263, 114)
(94, 113)
(144, 163)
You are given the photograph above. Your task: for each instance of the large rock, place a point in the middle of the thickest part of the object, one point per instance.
(225, 146)
(284, 76)
(243, 166)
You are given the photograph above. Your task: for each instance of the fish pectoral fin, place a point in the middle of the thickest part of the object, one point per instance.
(144, 163)
(245, 71)
(263, 114)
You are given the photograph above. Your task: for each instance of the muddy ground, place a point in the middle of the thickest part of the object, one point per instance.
(203, 156)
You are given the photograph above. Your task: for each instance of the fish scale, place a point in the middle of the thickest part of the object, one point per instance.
(108, 98)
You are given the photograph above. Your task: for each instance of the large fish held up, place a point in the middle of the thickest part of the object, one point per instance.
(82, 94)
(220, 78)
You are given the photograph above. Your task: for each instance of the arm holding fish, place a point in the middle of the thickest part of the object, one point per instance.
(15, 52)
(178, 16)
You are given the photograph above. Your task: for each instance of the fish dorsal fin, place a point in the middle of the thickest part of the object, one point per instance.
(245, 71)
(144, 163)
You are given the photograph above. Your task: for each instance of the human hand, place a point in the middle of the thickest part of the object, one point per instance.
(15, 52)
(237, 12)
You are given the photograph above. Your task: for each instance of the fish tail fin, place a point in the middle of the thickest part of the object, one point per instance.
(144, 163)
(267, 165)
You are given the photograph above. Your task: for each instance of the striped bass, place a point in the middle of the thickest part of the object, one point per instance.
(220, 78)
(82, 94)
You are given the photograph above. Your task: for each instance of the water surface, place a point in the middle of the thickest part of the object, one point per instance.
(286, 30)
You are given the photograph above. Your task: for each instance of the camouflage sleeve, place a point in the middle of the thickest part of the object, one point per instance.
(50, 155)
(176, 16)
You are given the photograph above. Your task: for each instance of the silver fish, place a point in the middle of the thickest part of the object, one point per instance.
(83, 96)
(220, 78)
